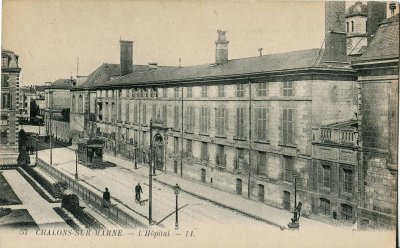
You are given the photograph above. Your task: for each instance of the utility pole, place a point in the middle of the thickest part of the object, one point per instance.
(250, 157)
(150, 173)
(182, 132)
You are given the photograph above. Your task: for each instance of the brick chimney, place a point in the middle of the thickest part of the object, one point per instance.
(335, 32)
(126, 57)
(221, 48)
(376, 14)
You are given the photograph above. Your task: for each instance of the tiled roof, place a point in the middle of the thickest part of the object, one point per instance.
(61, 84)
(106, 72)
(267, 63)
(385, 43)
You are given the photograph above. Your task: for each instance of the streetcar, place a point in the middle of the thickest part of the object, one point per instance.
(90, 153)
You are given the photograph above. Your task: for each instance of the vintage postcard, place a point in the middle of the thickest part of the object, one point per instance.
(199, 123)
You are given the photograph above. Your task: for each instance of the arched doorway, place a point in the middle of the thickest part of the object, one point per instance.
(158, 152)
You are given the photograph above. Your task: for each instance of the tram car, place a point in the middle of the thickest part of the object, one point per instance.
(90, 153)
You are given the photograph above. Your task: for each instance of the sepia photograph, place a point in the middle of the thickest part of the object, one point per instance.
(199, 123)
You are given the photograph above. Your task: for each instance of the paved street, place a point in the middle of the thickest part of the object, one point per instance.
(121, 182)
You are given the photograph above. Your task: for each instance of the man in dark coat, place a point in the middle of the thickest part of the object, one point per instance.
(106, 198)
(138, 190)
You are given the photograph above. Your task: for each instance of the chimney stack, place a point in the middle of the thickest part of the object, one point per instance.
(376, 14)
(335, 32)
(126, 57)
(221, 48)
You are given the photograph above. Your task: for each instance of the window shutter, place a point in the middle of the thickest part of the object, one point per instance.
(226, 121)
(208, 119)
(284, 126)
(216, 121)
(193, 118)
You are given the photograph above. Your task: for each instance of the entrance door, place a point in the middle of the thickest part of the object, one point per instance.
(261, 193)
(286, 200)
(203, 175)
(158, 152)
(239, 186)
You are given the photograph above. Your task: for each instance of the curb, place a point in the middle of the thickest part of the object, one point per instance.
(228, 207)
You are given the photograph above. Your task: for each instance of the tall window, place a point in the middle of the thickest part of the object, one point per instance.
(240, 90)
(176, 92)
(288, 126)
(164, 115)
(221, 158)
(190, 118)
(288, 168)
(262, 163)
(144, 115)
(347, 212)
(189, 148)
(204, 91)
(261, 123)
(154, 112)
(176, 145)
(165, 92)
(288, 88)
(221, 90)
(176, 117)
(347, 27)
(352, 26)
(221, 117)
(135, 113)
(4, 80)
(347, 181)
(6, 101)
(189, 91)
(73, 107)
(326, 176)
(240, 122)
(80, 104)
(262, 89)
(204, 119)
(239, 159)
(324, 206)
(127, 112)
(119, 110)
(113, 113)
(204, 151)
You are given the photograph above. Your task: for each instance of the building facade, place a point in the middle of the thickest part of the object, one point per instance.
(9, 108)
(251, 126)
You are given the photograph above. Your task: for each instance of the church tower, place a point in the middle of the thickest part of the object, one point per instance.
(356, 28)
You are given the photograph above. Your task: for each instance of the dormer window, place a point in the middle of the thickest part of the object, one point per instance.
(4, 61)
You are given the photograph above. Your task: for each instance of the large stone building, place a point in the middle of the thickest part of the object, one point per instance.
(9, 108)
(251, 126)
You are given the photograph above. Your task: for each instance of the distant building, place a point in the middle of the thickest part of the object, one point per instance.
(57, 98)
(29, 95)
(9, 108)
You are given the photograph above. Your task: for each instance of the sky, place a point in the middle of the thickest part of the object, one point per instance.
(50, 35)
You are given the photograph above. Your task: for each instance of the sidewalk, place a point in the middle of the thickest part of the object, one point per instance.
(263, 212)
(41, 211)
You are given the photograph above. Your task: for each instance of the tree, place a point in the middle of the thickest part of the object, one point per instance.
(34, 110)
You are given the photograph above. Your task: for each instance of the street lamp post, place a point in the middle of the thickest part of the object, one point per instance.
(177, 190)
(135, 157)
(76, 165)
(36, 157)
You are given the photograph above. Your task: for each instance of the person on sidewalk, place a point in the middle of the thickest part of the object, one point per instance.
(138, 190)
(106, 198)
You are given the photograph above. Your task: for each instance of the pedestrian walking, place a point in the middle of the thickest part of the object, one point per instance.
(138, 190)
(106, 198)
